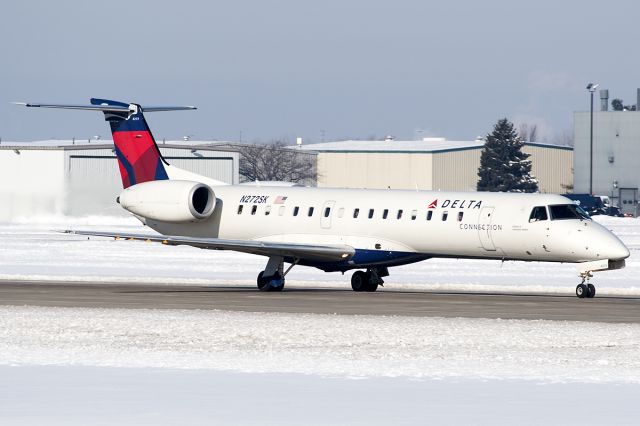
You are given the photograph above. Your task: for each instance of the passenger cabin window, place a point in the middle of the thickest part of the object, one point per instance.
(538, 213)
(429, 214)
(281, 211)
(445, 215)
(254, 209)
(356, 212)
(568, 211)
(385, 213)
(310, 212)
(460, 215)
(240, 209)
(399, 214)
(341, 212)
(327, 211)
(370, 213)
(296, 209)
(414, 214)
(267, 210)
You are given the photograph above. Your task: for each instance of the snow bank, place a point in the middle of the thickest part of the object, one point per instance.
(332, 345)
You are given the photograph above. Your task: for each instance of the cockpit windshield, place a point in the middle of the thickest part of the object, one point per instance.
(538, 213)
(568, 211)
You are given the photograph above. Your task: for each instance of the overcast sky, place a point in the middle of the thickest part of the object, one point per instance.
(345, 69)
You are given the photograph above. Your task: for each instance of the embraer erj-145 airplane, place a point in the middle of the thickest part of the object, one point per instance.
(343, 229)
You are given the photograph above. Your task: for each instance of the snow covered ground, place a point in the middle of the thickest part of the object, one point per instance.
(108, 396)
(30, 250)
(106, 366)
(328, 345)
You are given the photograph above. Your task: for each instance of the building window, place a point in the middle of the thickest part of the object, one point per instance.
(370, 213)
(310, 212)
(429, 214)
(385, 213)
(460, 215)
(327, 211)
(240, 209)
(356, 212)
(296, 209)
(414, 214)
(267, 210)
(399, 214)
(445, 215)
(254, 209)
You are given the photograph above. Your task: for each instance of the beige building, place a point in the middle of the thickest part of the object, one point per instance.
(430, 164)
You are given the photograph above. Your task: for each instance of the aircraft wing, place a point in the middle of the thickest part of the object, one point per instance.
(326, 253)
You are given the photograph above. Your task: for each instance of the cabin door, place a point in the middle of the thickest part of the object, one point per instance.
(326, 213)
(484, 228)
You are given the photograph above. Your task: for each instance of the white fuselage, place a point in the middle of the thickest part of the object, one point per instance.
(392, 226)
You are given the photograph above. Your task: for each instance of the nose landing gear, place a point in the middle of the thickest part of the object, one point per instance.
(586, 289)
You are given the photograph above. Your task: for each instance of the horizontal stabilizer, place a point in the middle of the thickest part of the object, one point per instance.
(106, 107)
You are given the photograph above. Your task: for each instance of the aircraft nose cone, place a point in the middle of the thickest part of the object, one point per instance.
(606, 244)
(617, 250)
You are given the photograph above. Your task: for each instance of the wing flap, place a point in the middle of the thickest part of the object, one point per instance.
(264, 248)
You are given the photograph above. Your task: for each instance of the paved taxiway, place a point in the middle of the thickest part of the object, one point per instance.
(301, 300)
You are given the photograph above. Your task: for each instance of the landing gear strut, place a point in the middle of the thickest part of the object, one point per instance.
(585, 288)
(272, 278)
(368, 281)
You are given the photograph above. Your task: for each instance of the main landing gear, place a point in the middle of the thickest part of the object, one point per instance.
(272, 278)
(368, 281)
(586, 289)
(273, 282)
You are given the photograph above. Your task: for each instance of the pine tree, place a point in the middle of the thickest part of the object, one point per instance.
(503, 165)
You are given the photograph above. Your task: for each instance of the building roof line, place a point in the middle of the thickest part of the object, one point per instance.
(430, 151)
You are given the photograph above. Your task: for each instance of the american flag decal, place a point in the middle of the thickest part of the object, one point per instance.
(280, 199)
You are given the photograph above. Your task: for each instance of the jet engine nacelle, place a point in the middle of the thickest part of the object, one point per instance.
(169, 200)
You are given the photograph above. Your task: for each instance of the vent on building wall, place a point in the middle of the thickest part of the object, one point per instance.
(604, 100)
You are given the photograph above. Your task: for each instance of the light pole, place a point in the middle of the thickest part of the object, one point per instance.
(591, 88)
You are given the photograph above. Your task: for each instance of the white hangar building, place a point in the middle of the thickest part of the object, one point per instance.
(429, 164)
(616, 150)
(81, 178)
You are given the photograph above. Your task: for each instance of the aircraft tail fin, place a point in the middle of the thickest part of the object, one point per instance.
(139, 157)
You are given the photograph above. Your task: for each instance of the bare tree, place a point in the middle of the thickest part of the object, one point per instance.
(564, 138)
(276, 162)
(528, 133)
